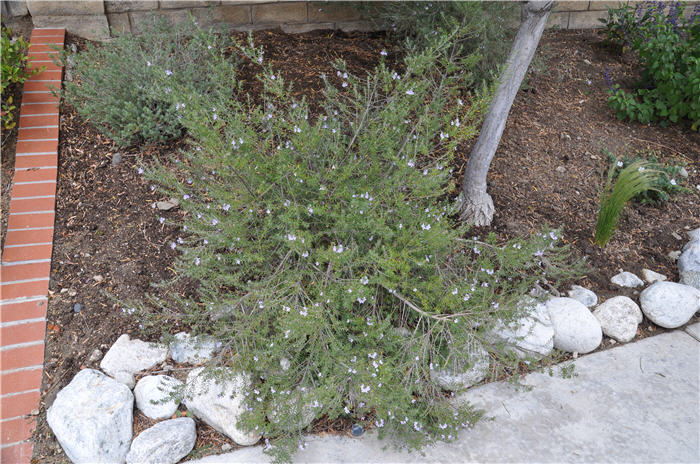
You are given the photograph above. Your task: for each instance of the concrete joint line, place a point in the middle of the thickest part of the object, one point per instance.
(36, 182)
(28, 261)
(21, 345)
(24, 281)
(36, 153)
(28, 244)
(7, 395)
(34, 198)
(38, 127)
(30, 228)
(23, 369)
(33, 212)
(23, 321)
(36, 168)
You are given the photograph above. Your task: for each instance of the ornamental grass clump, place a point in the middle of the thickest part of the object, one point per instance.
(328, 260)
(633, 180)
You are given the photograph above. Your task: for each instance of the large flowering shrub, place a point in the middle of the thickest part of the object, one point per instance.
(329, 263)
(668, 47)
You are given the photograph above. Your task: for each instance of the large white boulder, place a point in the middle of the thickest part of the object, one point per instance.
(463, 373)
(585, 296)
(128, 357)
(154, 396)
(619, 317)
(689, 264)
(193, 350)
(576, 330)
(165, 443)
(92, 418)
(219, 401)
(669, 304)
(627, 279)
(531, 335)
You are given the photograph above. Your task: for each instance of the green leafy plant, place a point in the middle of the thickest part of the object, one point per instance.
(14, 72)
(633, 180)
(668, 183)
(668, 48)
(328, 260)
(123, 87)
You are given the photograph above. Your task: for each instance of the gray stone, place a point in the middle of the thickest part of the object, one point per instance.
(92, 418)
(689, 264)
(627, 279)
(121, 6)
(619, 317)
(154, 396)
(651, 276)
(683, 173)
(167, 205)
(178, 4)
(220, 402)
(119, 23)
(140, 20)
(462, 373)
(694, 330)
(95, 356)
(576, 330)
(65, 7)
(674, 255)
(193, 350)
(92, 27)
(617, 408)
(585, 296)
(669, 304)
(694, 234)
(15, 9)
(165, 443)
(132, 356)
(531, 335)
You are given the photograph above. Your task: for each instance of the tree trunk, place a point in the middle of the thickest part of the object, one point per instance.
(476, 204)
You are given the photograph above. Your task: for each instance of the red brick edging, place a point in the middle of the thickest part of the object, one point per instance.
(26, 258)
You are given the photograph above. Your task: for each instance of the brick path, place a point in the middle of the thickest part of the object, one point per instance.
(26, 258)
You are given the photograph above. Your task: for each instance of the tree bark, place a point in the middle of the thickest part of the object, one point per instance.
(476, 204)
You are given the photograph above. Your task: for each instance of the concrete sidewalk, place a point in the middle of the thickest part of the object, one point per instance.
(638, 402)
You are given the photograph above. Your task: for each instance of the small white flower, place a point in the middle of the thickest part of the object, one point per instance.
(148, 63)
(410, 92)
(673, 181)
(291, 237)
(620, 164)
(345, 84)
(365, 388)
(196, 261)
(383, 53)
(140, 171)
(168, 72)
(214, 222)
(364, 280)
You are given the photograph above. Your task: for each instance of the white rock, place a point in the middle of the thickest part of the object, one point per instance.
(95, 355)
(669, 304)
(694, 234)
(165, 443)
(220, 404)
(619, 317)
(585, 296)
(576, 330)
(461, 374)
(689, 264)
(92, 418)
(193, 350)
(627, 279)
(674, 255)
(127, 378)
(132, 356)
(530, 336)
(153, 395)
(651, 276)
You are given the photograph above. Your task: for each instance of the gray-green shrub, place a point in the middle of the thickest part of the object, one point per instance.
(330, 245)
(122, 87)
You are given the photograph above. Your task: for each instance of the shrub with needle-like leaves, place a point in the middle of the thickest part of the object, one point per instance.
(329, 261)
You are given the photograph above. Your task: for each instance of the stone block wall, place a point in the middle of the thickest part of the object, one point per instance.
(98, 19)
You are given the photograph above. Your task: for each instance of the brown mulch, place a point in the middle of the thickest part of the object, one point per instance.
(105, 224)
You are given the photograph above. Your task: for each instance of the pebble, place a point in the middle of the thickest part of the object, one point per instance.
(96, 355)
(77, 308)
(167, 205)
(683, 173)
(357, 430)
(98, 278)
(651, 276)
(674, 255)
(116, 158)
(627, 279)
(561, 169)
(226, 447)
